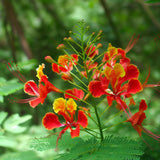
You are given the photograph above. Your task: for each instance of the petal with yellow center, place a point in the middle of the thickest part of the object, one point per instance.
(59, 105)
(71, 105)
(40, 70)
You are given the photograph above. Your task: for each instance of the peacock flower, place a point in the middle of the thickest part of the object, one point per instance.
(116, 77)
(39, 92)
(112, 55)
(137, 119)
(91, 66)
(91, 51)
(66, 108)
(40, 71)
(65, 65)
(74, 93)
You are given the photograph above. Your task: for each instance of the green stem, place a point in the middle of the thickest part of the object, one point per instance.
(99, 122)
(105, 129)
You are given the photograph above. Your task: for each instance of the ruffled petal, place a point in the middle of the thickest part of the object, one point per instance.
(55, 68)
(35, 102)
(134, 86)
(75, 132)
(142, 106)
(31, 88)
(50, 121)
(49, 86)
(59, 105)
(141, 119)
(71, 106)
(96, 89)
(82, 119)
(131, 72)
(75, 92)
(110, 100)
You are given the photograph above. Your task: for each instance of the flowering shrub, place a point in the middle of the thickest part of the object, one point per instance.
(95, 76)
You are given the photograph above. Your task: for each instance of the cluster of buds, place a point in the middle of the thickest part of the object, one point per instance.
(109, 74)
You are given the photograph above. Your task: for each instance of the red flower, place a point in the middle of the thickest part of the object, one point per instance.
(65, 63)
(116, 77)
(91, 51)
(77, 93)
(137, 119)
(67, 109)
(39, 92)
(91, 66)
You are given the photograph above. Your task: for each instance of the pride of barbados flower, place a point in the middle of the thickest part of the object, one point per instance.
(67, 109)
(91, 75)
(39, 92)
(137, 119)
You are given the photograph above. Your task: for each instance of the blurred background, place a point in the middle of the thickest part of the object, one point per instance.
(32, 29)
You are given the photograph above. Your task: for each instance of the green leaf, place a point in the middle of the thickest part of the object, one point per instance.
(9, 87)
(1, 99)
(28, 65)
(153, 1)
(28, 155)
(13, 123)
(7, 142)
(3, 115)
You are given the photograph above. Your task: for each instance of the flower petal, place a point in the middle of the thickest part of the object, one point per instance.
(82, 119)
(55, 68)
(50, 121)
(131, 72)
(96, 89)
(134, 86)
(75, 133)
(31, 88)
(75, 92)
(71, 106)
(35, 102)
(142, 106)
(110, 100)
(40, 70)
(59, 105)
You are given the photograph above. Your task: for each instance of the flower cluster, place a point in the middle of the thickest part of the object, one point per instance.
(109, 75)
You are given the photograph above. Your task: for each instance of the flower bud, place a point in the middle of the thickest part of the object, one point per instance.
(49, 59)
(61, 46)
(70, 39)
(99, 45)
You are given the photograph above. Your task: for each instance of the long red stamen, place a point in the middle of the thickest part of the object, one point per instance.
(23, 100)
(15, 72)
(156, 137)
(131, 43)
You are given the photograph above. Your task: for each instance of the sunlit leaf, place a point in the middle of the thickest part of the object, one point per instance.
(9, 87)
(14, 123)
(7, 142)
(3, 115)
(28, 155)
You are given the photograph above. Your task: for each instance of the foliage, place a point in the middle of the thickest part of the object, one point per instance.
(44, 26)
(123, 148)
(11, 125)
(8, 87)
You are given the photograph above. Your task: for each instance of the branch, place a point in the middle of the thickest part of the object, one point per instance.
(149, 13)
(108, 15)
(15, 24)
